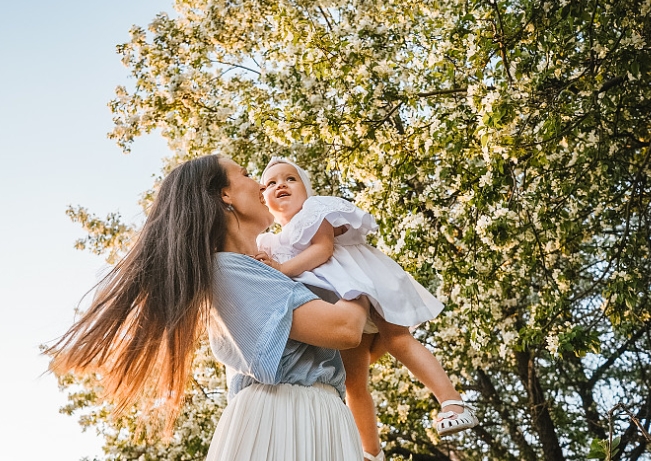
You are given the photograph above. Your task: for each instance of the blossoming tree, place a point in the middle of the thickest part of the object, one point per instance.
(504, 148)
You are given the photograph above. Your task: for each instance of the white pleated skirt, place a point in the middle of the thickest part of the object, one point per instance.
(286, 422)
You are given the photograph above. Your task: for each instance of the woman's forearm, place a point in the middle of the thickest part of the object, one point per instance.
(335, 326)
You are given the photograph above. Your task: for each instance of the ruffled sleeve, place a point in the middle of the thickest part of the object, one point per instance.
(337, 211)
(252, 315)
(265, 242)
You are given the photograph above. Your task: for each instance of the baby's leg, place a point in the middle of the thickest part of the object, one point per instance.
(419, 360)
(358, 397)
(378, 348)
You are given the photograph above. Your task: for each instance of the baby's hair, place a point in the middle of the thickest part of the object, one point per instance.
(305, 178)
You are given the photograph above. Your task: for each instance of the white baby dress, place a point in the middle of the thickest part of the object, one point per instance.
(355, 267)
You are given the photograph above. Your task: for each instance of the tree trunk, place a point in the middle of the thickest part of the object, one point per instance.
(540, 417)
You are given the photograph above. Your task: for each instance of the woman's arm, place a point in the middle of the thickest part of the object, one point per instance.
(334, 326)
(320, 250)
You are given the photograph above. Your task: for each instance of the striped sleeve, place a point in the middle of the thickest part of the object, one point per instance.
(252, 315)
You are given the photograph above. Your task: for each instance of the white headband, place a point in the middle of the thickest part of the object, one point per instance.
(301, 173)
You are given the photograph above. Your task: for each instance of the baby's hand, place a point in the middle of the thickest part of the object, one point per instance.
(340, 230)
(263, 257)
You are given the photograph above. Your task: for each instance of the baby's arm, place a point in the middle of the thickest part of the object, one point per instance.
(320, 250)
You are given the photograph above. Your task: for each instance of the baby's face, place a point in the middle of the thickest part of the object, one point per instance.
(284, 192)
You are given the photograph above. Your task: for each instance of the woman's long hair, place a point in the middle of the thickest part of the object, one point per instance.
(141, 330)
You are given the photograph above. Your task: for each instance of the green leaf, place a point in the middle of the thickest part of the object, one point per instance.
(597, 449)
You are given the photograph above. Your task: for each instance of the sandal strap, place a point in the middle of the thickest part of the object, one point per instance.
(445, 403)
(446, 415)
(378, 457)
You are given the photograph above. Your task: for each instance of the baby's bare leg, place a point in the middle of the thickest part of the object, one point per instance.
(378, 348)
(419, 360)
(358, 397)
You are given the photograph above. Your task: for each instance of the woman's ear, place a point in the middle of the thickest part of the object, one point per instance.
(226, 197)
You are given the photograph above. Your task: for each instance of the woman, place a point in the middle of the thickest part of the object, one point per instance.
(191, 267)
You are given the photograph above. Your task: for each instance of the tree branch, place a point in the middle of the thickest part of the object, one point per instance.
(497, 449)
(585, 391)
(613, 358)
(386, 117)
(487, 389)
(237, 65)
(631, 430)
(325, 17)
(499, 37)
(428, 94)
(610, 83)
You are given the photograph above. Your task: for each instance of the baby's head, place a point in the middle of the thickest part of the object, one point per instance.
(287, 186)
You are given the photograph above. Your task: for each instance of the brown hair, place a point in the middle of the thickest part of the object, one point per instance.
(142, 327)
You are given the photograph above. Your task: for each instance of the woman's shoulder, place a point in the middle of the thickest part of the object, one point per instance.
(228, 258)
(244, 280)
(242, 265)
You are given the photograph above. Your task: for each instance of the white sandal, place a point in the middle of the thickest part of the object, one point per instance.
(451, 422)
(378, 457)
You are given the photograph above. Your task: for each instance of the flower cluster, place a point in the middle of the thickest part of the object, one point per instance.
(503, 148)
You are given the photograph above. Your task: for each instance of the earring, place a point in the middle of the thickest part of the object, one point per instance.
(230, 208)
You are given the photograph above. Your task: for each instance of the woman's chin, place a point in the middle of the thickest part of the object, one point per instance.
(270, 221)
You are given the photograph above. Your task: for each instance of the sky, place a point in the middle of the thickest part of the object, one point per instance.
(58, 71)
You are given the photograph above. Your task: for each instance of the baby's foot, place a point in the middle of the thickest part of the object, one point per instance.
(457, 417)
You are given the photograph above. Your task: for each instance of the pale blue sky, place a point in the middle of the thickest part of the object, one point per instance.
(58, 70)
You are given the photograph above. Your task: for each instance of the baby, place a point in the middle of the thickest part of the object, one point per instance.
(323, 244)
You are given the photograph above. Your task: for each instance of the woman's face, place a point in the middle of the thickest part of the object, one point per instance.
(245, 194)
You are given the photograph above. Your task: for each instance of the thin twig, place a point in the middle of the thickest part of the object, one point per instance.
(325, 16)
(441, 92)
(500, 40)
(237, 65)
(632, 417)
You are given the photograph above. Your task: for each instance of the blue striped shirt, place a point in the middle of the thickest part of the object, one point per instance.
(249, 328)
